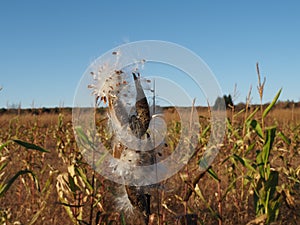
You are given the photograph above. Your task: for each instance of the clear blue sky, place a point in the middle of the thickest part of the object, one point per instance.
(45, 46)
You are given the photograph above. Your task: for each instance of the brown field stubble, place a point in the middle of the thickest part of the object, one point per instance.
(23, 202)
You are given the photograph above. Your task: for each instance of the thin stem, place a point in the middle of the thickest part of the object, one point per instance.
(260, 89)
(92, 196)
(93, 175)
(219, 202)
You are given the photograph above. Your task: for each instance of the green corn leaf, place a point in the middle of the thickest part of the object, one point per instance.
(272, 182)
(83, 176)
(267, 110)
(82, 222)
(252, 115)
(30, 146)
(213, 174)
(204, 132)
(266, 201)
(83, 137)
(47, 184)
(257, 128)
(250, 148)
(70, 205)
(271, 132)
(274, 210)
(238, 113)
(236, 157)
(2, 166)
(284, 138)
(72, 184)
(68, 209)
(229, 126)
(225, 160)
(232, 129)
(123, 221)
(245, 162)
(81, 134)
(260, 163)
(4, 187)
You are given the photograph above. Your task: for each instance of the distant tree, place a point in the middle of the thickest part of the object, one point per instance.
(46, 110)
(228, 101)
(222, 102)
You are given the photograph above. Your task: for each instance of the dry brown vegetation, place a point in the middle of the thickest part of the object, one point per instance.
(221, 195)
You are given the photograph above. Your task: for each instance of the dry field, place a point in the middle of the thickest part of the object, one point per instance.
(255, 179)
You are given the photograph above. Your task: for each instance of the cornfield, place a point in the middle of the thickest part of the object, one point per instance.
(255, 178)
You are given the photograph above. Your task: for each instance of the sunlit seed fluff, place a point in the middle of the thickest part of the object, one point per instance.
(123, 203)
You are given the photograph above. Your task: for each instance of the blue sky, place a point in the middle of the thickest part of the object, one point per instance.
(46, 46)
